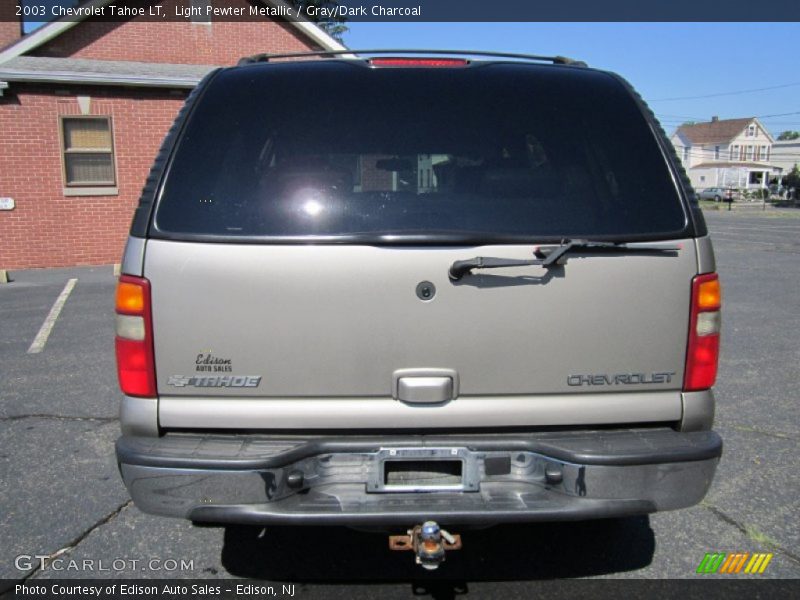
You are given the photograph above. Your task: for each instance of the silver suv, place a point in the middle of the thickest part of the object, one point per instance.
(379, 290)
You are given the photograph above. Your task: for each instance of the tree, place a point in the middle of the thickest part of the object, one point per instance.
(789, 135)
(334, 27)
(792, 179)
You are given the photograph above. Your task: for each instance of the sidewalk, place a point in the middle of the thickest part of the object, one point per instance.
(751, 207)
(88, 274)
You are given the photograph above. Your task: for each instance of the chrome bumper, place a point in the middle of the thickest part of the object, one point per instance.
(343, 480)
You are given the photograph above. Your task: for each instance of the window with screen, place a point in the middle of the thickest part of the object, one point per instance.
(88, 151)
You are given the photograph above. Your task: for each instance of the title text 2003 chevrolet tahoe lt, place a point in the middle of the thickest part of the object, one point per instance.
(393, 290)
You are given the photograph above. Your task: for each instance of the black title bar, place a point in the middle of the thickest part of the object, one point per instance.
(408, 10)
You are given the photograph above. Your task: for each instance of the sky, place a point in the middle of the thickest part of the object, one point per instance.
(663, 61)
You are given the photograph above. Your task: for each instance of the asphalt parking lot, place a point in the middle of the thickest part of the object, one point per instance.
(60, 491)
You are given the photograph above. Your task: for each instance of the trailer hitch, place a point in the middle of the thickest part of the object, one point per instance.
(429, 543)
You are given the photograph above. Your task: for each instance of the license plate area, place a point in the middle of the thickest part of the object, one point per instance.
(424, 470)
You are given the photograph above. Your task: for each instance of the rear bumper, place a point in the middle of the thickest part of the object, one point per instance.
(503, 478)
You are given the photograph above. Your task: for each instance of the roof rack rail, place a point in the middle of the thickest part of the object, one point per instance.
(556, 60)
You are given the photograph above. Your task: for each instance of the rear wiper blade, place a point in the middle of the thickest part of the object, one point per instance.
(550, 256)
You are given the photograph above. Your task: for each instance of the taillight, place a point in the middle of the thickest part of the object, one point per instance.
(418, 62)
(702, 355)
(134, 340)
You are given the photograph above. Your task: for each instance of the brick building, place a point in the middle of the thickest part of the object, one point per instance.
(83, 109)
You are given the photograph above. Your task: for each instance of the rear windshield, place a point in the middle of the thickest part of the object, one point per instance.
(340, 151)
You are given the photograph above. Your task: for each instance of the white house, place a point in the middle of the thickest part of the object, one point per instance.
(786, 154)
(727, 153)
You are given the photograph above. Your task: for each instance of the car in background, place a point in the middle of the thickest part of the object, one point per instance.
(718, 194)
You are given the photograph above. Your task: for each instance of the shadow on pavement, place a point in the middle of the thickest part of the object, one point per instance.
(501, 553)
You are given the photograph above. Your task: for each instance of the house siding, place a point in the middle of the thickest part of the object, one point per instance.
(786, 154)
(742, 140)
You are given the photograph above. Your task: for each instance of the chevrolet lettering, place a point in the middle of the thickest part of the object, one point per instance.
(620, 379)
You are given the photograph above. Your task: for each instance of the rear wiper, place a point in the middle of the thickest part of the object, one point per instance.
(550, 256)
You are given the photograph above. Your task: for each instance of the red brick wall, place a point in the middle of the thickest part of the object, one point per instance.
(182, 42)
(47, 228)
(10, 25)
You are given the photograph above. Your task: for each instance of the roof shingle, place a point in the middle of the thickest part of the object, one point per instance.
(714, 131)
(89, 71)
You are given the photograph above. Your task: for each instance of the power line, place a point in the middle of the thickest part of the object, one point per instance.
(750, 91)
(702, 119)
(778, 115)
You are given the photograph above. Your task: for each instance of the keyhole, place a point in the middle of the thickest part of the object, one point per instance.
(426, 290)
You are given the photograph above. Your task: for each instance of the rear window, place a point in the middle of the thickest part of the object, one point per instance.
(491, 152)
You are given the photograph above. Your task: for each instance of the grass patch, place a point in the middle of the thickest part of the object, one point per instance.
(708, 204)
(784, 214)
(759, 537)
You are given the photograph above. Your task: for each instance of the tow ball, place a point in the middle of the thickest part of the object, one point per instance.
(429, 543)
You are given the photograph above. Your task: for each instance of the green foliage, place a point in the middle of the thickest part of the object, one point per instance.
(789, 135)
(708, 204)
(334, 27)
(792, 178)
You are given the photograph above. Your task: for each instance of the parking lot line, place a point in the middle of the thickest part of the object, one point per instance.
(44, 332)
